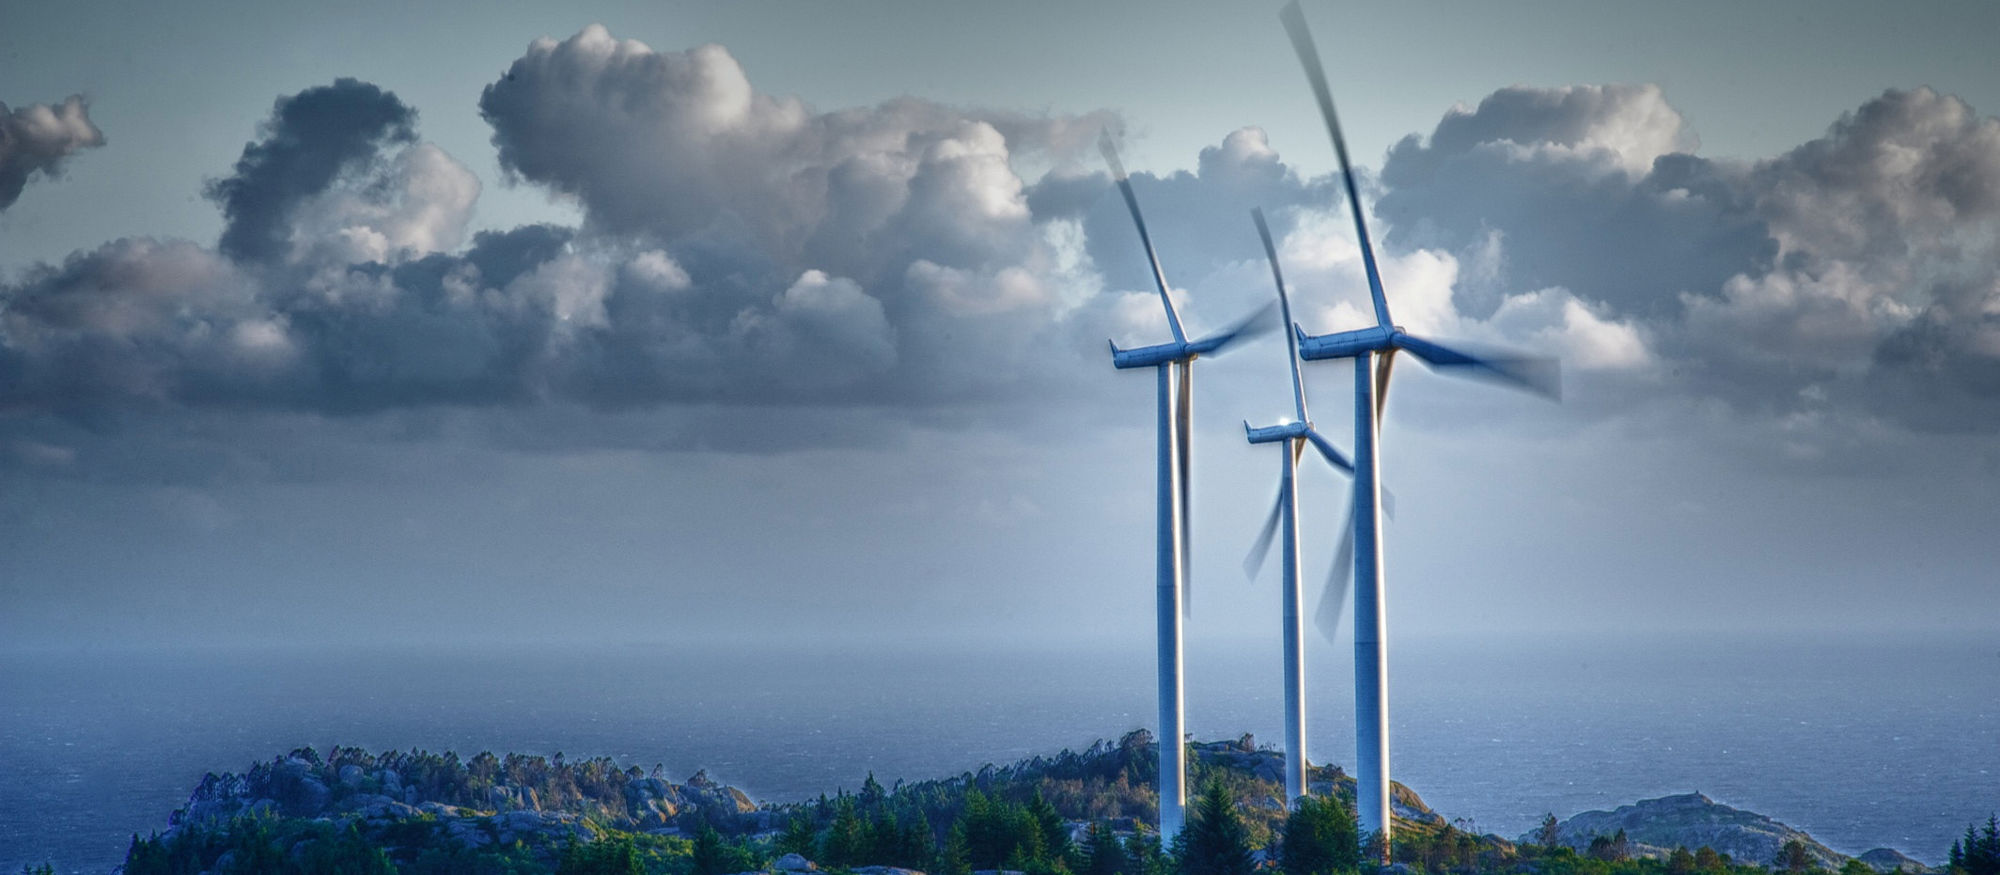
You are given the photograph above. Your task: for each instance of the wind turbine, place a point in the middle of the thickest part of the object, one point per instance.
(1174, 361)
(1374, 350)
(1295, 434)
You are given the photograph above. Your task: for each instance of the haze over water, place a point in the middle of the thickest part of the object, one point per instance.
(1861, 742)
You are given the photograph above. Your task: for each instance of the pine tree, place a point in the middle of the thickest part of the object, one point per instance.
(1320, 838)
(1681, 861)
(1215, 841)
(955, 859)
(1548, 835)
(1792, 857)
(1055, 833)
(1707, 859)
(799, 837)
(1978, 853)
(846, 839)
(1105, 855)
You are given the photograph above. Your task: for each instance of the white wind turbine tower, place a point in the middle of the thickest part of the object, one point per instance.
(1174, 362)
(1374, 349)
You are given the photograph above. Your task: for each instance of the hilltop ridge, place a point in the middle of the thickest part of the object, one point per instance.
(405, 808)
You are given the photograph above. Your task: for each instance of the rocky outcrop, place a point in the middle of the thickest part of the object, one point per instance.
(1263, 764)
(1657, 826)
(1891, 860)
(485, 800)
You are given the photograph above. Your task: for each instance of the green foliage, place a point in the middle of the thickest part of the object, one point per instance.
(1549, 833)
(1681, 861)
(799, 837)
(44, 869)
(1707, 859)
(1611, 848)
(1792, 858)
(608, 857)
(1854, 866)
(714, 855)
(846, 841)
(260, 845)
(1977, 853)
(1104, 854)
(1320, 838)
(1215, 841)
(995, 831)
(1442, 848)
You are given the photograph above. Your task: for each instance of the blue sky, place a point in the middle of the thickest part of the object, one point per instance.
(715, 401)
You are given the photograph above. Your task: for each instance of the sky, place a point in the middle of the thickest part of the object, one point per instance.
(354, 324)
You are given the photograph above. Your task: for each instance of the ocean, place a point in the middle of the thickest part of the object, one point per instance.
(1861, 741)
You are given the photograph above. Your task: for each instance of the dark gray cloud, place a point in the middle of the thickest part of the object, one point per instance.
(311, 139)
(1855, 272)
(35, 139)
(744, 249)
(1589, 188)
(1199, 221)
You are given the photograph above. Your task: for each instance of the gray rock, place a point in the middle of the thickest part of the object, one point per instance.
(1692, 820)
(1891, 860)
(793, 863)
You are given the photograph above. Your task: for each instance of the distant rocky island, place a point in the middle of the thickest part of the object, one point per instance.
(1075, 813)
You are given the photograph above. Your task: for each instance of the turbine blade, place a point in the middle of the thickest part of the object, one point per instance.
(1285, 306)
(1302, 43)
(1110, 151)
(1326, 449)
(1388, 503)
(1538, 374)
(1186, 427)
(1253, 562)
(1334, 596)
(1382, 371)
(1252, 326)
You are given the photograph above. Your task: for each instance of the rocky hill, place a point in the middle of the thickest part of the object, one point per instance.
(479, 801)
(416, 806)
(1657, 826)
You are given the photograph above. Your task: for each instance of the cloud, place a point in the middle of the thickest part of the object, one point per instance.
(1859, 269)
(740, 248)
(311, 138)
(37, 137)
(1591, 188)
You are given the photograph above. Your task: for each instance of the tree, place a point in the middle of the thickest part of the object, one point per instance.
(1548, 835)
(1055, 833)
(955, 859)
(799, 837)
(611, 857)
(1706, 859)
(1215, 841)
(1793, 857)
(1104, 854)
(1320, 838)
(1681, 861)
(1977, 853)
(1612, 848)
(846, 840)
(714, 855)
(1854, 866)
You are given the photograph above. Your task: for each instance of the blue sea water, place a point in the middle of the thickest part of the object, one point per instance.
(1862, 742)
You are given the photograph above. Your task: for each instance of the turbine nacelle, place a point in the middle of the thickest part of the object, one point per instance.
(1345, 344)
(1160, 354)
(1179, 351)
(1272, 434)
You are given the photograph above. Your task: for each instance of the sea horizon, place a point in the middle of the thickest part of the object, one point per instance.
(1872, 742)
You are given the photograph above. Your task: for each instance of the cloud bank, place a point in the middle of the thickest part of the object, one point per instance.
(741, 248)
(35, 139)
